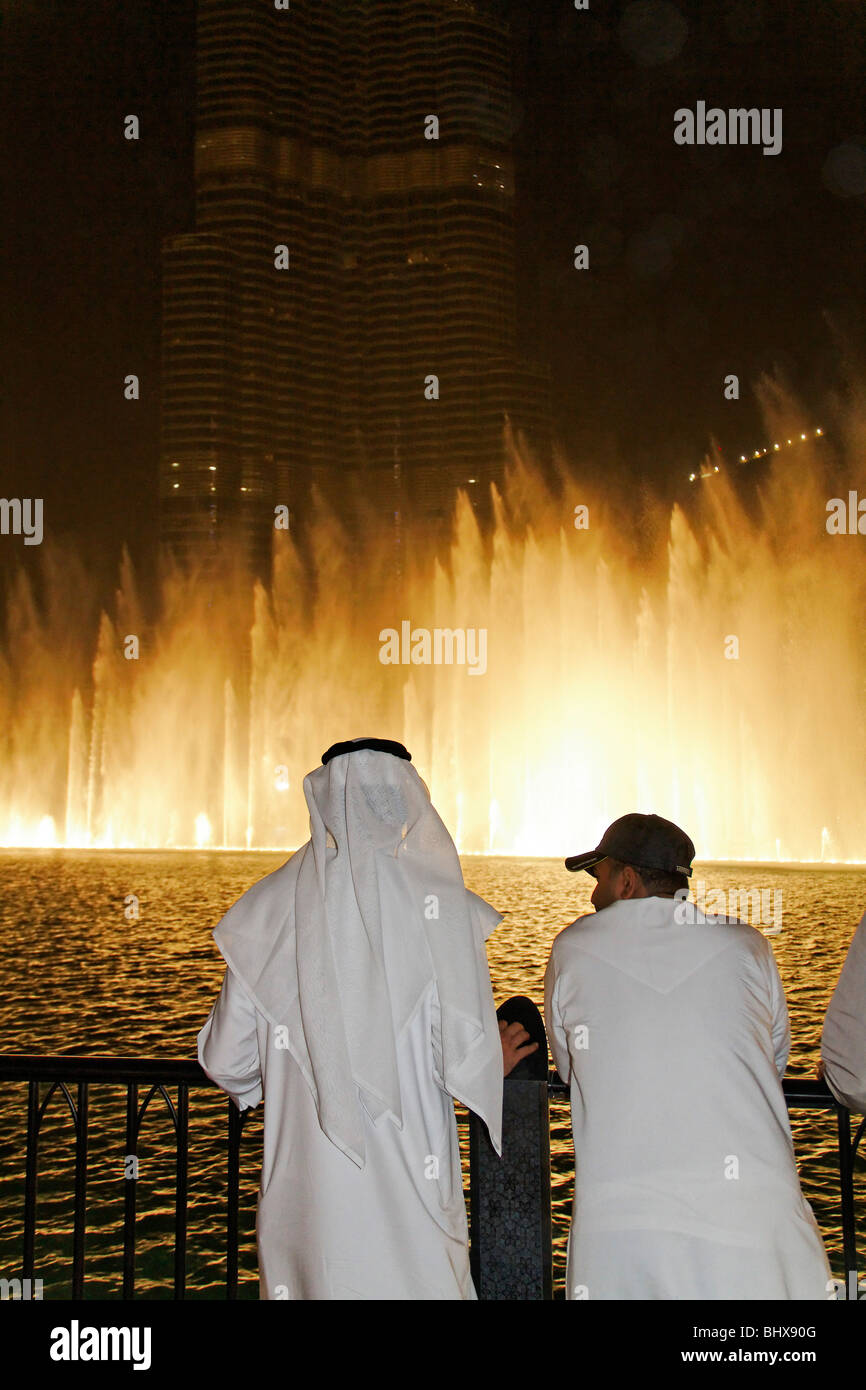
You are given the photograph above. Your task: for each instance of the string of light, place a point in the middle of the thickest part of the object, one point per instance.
(760, 453)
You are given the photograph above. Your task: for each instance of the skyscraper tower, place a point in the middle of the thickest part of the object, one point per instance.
(343, 317)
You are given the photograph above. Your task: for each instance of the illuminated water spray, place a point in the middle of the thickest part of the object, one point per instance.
(714, 673)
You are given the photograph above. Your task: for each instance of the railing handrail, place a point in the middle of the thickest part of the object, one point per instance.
(71, 1066)
(15, 1066)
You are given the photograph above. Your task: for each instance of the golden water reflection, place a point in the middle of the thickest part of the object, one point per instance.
(83, 974)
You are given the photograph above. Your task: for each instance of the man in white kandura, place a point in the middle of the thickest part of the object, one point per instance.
(673, 1031)
(843, 1041)
(357, 999)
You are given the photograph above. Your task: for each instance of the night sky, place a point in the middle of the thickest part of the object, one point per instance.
(704, 260)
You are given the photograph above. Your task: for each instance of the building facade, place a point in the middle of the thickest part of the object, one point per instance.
(342, 320)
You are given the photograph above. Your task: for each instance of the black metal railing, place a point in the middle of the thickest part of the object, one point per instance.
(148, 1075)
(505, 1195)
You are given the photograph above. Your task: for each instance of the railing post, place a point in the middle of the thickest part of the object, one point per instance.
(31, 1178)
(79, 1234)
(130, 1190)
(180, 1209)
(511, 1255)
(232, 1200)
(846, 1183)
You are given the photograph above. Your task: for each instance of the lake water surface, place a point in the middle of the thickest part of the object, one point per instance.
(80, 976)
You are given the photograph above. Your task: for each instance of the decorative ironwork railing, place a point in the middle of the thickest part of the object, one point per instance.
(506, 1195)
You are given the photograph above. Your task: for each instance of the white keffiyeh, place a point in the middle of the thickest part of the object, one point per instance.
(339, 945)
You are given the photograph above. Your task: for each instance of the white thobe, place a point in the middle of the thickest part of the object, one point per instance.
(326, 1229)
(843, 1041)
(674, 1039)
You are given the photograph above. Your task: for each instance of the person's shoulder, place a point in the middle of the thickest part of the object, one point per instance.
(753, 944)
(857, 944)
(570, 936)
(265, 900)
(686, 913)
(748, 937)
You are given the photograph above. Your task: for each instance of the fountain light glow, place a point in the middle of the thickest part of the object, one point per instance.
(203, 831)
(609, 684)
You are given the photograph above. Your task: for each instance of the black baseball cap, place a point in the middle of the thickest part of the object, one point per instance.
(647, 842)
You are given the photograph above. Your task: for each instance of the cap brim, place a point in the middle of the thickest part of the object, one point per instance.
(584, 861)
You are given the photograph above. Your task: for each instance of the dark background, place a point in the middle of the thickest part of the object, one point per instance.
(704, 260)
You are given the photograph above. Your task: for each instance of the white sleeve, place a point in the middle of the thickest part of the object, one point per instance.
(556, 1034)
(228, 1048)
(779, 1009)
(843, 1041)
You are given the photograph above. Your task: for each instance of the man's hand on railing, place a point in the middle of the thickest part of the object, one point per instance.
(514, 1045)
